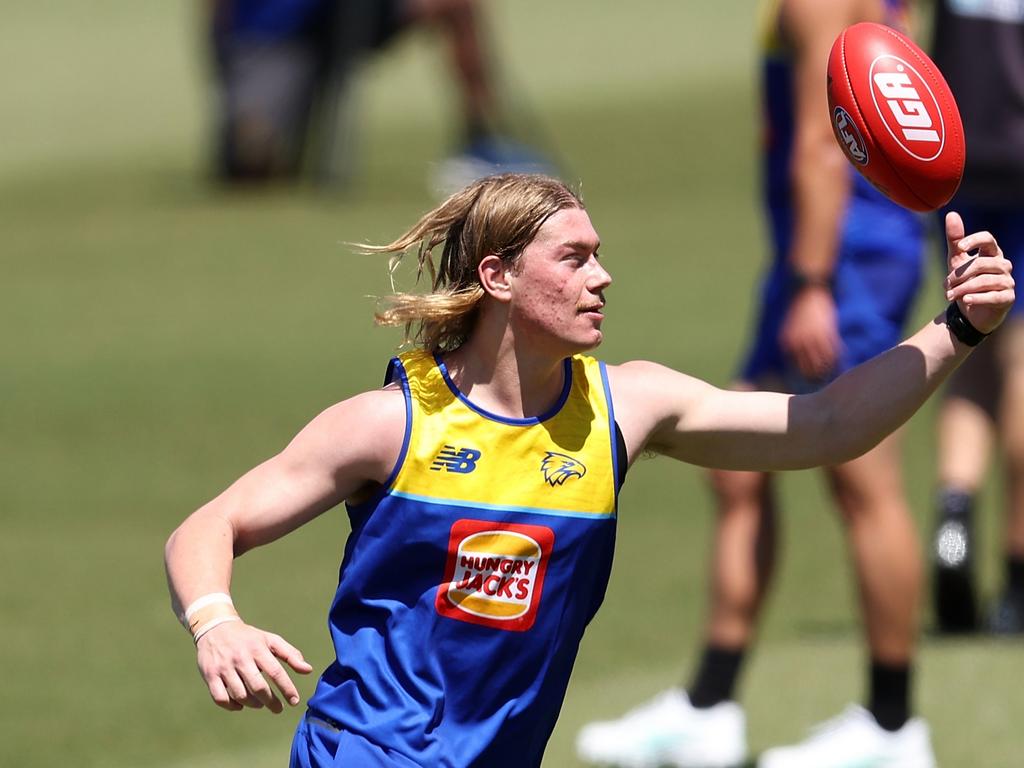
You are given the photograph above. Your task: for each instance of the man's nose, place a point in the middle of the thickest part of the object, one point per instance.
(602, 278)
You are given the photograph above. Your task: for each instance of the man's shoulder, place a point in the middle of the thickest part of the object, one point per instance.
(648, 395)
(363, 433)
(387, 402)
(368, 417)
(651, 386)
(637, 370)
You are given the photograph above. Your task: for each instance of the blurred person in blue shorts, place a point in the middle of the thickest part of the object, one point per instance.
(283, 72)
(481, 482)
(845, 270)
(979, 46)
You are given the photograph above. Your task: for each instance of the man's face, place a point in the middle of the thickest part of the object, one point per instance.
(558, 285)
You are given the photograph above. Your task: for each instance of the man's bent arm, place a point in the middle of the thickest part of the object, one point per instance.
(343, 451)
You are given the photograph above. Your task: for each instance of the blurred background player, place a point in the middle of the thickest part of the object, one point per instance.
(847, 263)
(979, 46)
(283, 75)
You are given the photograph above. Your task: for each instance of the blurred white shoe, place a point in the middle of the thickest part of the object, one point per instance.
(486, 157)
(855, 740)
(668, 731)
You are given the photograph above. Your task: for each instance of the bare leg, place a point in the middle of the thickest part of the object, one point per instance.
(461, 22)
(743, 556)
(965, 434)
(887, 562)
(966, 421)
(1007, 616)
(1011, 421)
(966, 428)
(885, 550)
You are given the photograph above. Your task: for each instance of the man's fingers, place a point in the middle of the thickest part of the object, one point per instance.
(982, 242)
(241, 668)
(292, 656)
(956, 255)
(237, 690)
(259, 688)
(289, 654)
(815, 362)
(954, 230)
(977, 285)
(273, 670)
(973, 268)
(220, 695)
(814, 358)
(987, 298)
(823, 353)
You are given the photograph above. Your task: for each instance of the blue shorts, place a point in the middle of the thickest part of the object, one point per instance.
(321, 744)
(876, 277)
(1006, 222)
(314, 744)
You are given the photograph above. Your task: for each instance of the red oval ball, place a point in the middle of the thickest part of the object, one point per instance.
(895, 117)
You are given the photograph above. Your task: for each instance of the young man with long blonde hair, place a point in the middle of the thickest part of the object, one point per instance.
(481, 484)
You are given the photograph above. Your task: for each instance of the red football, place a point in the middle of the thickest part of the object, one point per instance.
(895, 117)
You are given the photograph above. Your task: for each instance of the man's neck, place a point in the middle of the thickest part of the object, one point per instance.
(505, 378)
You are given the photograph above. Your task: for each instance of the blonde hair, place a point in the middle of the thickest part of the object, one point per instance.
(497, 215)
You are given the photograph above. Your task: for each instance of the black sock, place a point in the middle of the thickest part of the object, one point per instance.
(1015, 576)
(890, 694)
(716, 676)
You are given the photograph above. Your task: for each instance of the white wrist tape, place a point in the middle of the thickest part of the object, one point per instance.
(207, 612)
(201, 602)
(200, 631)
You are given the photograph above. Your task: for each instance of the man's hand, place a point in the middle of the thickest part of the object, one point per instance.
(979, 277)
(236, 660)
(810, 333)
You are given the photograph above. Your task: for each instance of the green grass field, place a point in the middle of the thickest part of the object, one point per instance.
(159, 337)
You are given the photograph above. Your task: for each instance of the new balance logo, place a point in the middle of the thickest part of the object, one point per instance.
(452, 459)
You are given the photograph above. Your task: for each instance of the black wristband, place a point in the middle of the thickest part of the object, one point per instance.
(961, 327)
(799, 281)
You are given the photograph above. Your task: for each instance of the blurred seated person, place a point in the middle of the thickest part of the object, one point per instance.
(282, 71)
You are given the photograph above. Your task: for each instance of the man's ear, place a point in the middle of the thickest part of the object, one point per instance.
(493, 273)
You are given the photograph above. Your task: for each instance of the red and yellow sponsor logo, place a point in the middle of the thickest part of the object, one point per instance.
(495, 573)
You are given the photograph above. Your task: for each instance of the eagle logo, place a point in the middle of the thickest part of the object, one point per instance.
(557, 468)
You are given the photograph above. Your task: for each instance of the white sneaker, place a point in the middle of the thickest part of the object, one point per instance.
(855, 740)
(485, 157)
(668, 731)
